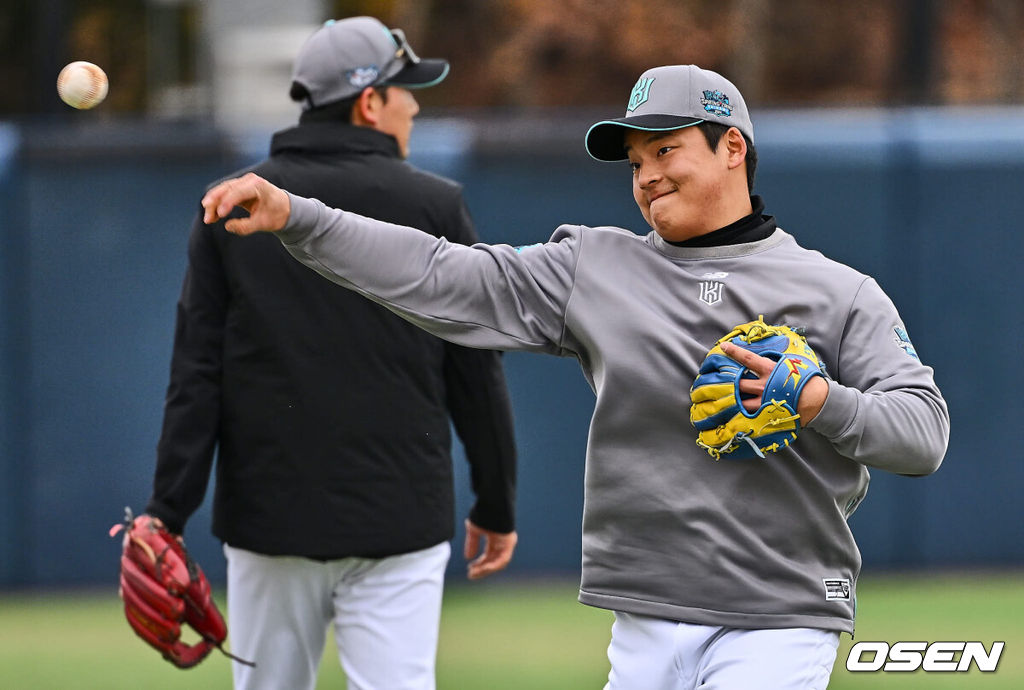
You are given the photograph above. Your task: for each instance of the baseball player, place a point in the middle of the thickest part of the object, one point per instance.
(331, 416)
(722, 574)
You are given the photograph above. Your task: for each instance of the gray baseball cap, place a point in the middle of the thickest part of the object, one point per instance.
(667, 98)
(345, 56)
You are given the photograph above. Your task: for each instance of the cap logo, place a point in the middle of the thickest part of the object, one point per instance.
(361, 77)
(716, 103)
(640, 93)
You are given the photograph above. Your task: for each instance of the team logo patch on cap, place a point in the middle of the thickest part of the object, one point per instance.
(640, 93)
(716, 103)
(361, 77)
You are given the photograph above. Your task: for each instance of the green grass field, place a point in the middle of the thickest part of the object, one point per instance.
(508, 635)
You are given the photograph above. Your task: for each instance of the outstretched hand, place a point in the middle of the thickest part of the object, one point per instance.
(268, 206)
(497, 550)
(811, 399)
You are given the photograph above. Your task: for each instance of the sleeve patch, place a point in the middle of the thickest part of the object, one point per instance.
(903, 341)
(520, 248)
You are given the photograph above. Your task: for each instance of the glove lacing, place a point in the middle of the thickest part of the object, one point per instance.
(747, 436)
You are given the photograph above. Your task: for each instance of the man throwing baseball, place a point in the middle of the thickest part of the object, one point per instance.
(727, 573)
(330, 415)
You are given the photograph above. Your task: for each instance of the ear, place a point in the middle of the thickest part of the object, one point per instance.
(366, 109)
(736, 147)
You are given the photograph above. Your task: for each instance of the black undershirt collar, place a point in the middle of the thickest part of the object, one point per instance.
(751, 228)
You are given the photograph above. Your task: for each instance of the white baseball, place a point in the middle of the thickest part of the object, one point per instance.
(82, 85)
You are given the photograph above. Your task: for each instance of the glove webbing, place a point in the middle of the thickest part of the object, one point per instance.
(717, 453)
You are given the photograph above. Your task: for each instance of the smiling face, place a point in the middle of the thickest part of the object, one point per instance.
(683, 188)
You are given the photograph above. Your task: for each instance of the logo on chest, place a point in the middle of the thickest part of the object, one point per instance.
(711, 288)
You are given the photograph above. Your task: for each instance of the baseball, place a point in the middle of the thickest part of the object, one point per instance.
(82, 85)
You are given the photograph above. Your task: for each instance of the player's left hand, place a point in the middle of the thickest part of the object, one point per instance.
(269, 207)
(812, 397)
(497, 550)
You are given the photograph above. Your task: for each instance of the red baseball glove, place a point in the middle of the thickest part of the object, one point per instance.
(162, 588)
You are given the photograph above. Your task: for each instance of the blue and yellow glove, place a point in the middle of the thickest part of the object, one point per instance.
(725, 428)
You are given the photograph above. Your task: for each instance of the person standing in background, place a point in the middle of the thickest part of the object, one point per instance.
(329, 415)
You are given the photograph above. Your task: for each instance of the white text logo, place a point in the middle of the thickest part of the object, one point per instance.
(938, 657)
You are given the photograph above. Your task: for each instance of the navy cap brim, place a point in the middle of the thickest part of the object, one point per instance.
(604, 139)
(420, 75)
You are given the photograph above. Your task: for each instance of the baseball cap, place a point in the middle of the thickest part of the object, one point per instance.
(345, 56)
(667, 98)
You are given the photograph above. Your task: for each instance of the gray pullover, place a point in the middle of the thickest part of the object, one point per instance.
(667, 531)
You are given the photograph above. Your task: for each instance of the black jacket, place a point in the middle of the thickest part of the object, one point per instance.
(330, 415)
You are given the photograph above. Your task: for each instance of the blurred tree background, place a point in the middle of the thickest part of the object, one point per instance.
(536, 53)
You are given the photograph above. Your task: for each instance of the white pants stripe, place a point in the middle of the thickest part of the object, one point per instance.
(656, 654)
(386, 615)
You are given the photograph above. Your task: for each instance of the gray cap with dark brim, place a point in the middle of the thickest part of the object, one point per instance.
(344, 57)
(669, 98)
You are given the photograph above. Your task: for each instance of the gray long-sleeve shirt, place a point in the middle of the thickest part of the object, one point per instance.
(667, 531)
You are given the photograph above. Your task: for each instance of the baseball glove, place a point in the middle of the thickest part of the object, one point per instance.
(725, 427)
(163, 588)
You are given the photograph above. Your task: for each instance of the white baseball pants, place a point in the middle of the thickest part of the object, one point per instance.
(656, 654)
(386, 615)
